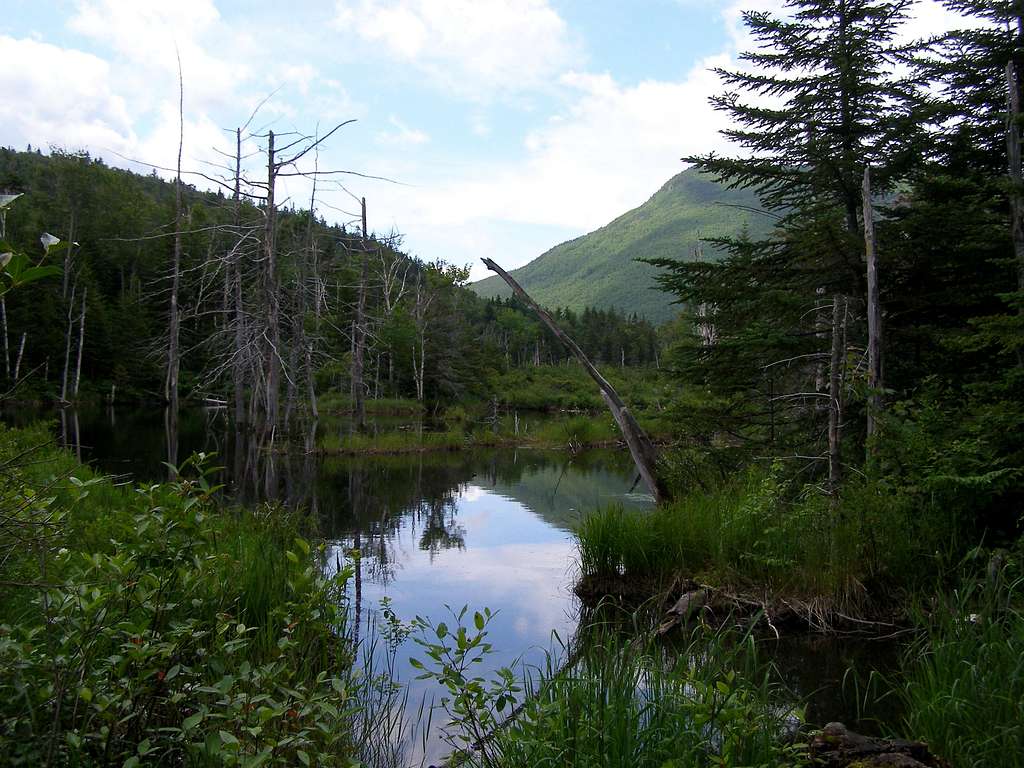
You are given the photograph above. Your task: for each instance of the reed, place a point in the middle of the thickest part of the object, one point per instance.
(963, 685)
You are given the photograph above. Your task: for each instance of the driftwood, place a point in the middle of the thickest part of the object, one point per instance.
(835, 746)
(644, 454)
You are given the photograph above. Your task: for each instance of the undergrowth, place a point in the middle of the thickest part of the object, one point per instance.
(759, 530)
(150, 623)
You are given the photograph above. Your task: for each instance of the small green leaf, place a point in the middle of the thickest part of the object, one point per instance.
(227, 738)
(303, 757)
(192, 721)
(478, 620)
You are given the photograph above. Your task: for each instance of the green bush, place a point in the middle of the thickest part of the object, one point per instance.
(192, 636)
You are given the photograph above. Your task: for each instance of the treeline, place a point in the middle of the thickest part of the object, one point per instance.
(605, 335)
(905, 155)
(102, 328)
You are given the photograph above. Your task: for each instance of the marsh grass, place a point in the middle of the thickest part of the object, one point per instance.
(336, 402)
(757, 530)
(963, 682)
(621, 698)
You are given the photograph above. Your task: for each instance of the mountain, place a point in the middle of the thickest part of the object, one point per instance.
(601, 269)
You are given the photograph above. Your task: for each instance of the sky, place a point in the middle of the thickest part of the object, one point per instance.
(497, 128)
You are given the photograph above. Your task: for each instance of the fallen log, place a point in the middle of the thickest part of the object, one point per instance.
(644, 454)
(835, 746)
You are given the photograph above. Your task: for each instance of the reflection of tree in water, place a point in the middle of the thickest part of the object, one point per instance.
(440, 528)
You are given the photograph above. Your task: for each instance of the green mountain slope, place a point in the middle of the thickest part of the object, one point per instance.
(601, 269)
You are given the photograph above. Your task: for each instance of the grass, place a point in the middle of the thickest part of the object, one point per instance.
(963, 681)
(758, 532)
(338, 403)
(621, 698)
(569, 387)
(462, 429)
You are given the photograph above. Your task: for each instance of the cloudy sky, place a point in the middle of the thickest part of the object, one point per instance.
(507, 126)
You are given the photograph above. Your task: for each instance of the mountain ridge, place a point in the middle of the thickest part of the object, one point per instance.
(600, 269)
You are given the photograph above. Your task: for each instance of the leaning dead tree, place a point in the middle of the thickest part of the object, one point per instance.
(644, 454)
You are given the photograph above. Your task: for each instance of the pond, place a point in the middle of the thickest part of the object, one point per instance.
(484, 528)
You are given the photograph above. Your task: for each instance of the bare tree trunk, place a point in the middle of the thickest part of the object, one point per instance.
(7, 354)
(359, 348)
(81, 343)
(21, 351)
(874, 311)
(1013, 154)
(68, 253)
(173, 361)
(640, 446)
(273, 364)
(307, 345)
(235, 269)
(835, 411)
(311, 382)
(67, 346)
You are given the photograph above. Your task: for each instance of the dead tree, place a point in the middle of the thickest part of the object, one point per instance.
(835, 397)
(81, 343)
(1014, 85)
(272, 361)
(174, 319)
(234, 269)
(359, 331)
(67, 346)
(277, 161)
(21, 351)
(641, 448)
(874, 311)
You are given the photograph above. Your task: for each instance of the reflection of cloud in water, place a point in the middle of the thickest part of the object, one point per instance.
(471, 492)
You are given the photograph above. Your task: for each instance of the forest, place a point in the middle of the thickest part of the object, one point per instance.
(826, 442)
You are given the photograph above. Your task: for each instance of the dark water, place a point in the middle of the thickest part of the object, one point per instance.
(483, 528)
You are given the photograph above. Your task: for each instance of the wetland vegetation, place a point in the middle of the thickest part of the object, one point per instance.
(254, 464)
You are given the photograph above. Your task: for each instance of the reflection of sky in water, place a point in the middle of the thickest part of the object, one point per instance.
(514, 561)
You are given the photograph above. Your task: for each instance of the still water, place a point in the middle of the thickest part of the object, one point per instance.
(482, 528)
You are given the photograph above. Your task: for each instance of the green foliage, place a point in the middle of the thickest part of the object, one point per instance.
(193, 635)
(963, 681)
(602, 269)
(474, 704)
(760, 530)
(616, 701)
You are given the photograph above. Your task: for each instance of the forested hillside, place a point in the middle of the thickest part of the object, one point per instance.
(604, 268)
(102, 326)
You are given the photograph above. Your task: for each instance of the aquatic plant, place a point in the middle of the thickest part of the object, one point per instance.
(615, 699)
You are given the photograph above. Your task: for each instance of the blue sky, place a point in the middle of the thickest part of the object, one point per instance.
(509, 125)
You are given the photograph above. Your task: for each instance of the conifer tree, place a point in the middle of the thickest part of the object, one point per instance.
(817, 101)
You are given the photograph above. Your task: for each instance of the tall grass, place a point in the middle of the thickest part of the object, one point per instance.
(758, 529)
(963, 686)
(628, 701)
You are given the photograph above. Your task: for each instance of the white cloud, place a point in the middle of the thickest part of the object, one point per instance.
(58, 95)
(473, 47)
(149, 34)
(607, 151)
(402, 135)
